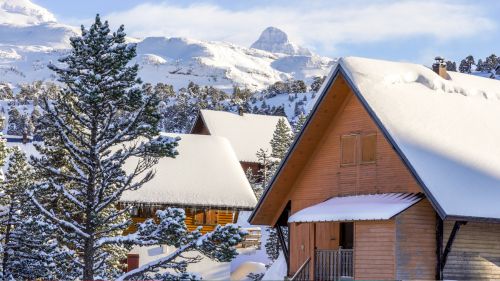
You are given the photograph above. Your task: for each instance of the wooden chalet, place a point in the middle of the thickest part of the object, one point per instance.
(396, 175)
(205, 179)
(246, 132)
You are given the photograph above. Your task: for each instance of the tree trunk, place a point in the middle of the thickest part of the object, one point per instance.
(88, 252)
(88, 260)
(5, 258)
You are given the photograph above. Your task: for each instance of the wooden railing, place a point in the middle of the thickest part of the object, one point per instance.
(334, 265)
(303, 273)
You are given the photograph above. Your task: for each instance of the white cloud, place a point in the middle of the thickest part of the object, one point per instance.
(322, 24)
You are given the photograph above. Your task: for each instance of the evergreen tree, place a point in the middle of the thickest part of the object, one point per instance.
(479, 66)
(272, 245)
(256, 187)
(30, 249)
(265, 164)
(100, 120)
(282, 138)
(301, 121)
(470, 61)
(464, 67)
(451, 66)
(15, 122)
(490, 63)
(5, 92)
(317, 82)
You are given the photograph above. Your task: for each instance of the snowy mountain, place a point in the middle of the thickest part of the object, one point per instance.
(275, 40)
(31, 37)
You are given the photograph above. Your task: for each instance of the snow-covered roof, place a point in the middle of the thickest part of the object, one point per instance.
(206, 172)
(447, 131)
(358, 207)
(247, 133)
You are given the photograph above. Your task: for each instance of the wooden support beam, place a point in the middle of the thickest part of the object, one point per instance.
(449, 244)
(439, 247)
(284, 247)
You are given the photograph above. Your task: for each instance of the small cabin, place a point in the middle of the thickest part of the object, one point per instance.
(395, 175)
(246, 132)
(205, 179)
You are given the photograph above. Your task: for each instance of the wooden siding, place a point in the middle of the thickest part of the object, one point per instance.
(199, 127)
(299, 245)
(374, 248)
(475, 253)
(250, 165)
(416, 242)
(223, 217)
(323, 177)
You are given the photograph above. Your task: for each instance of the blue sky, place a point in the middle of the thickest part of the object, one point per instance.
(411, 30)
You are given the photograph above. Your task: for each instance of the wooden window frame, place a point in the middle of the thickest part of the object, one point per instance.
(358, 149)
(205, 215)
(361, 162)
(197, 213)
(354, 151)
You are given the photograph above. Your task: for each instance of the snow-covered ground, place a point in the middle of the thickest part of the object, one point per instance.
(248, 260)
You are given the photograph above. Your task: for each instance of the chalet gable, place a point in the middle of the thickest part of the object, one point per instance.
(246, 132)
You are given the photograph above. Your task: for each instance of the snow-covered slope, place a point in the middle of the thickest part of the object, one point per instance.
(23, 12)
(30, 38)
(177, 61)
(275, 40)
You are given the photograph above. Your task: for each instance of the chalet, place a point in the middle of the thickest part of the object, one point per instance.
(246, 132)
(205, 179)
(396, 175)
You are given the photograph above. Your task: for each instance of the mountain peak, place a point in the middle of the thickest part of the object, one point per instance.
(23, 12)
(275, 40)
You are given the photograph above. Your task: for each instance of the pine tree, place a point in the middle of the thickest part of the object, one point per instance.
(490, 63)
(98, 121)
(282, 138)
(464, 67)
(451, 66)
(14, 123)
(30, 249)
(317, 82)
(265, 164)
(6, 92)
(256, 187)
(301, 121)
(479, 66)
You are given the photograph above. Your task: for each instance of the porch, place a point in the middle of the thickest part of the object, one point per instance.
(329, 265)
(325, 237)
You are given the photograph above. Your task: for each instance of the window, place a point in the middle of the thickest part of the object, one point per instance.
(211, 217)
(205, 217)
(348, 150)
(199, 217)
(358, 148)
(368, 148)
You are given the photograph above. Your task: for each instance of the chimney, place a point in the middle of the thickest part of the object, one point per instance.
(25, 137)
(240, 110)
(439, 67)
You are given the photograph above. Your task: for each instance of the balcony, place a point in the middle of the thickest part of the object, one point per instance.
(329, 265)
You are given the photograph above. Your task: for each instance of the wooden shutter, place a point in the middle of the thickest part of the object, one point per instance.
(199, 217)
(368, 148)
(211, 217)
(348, 150)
